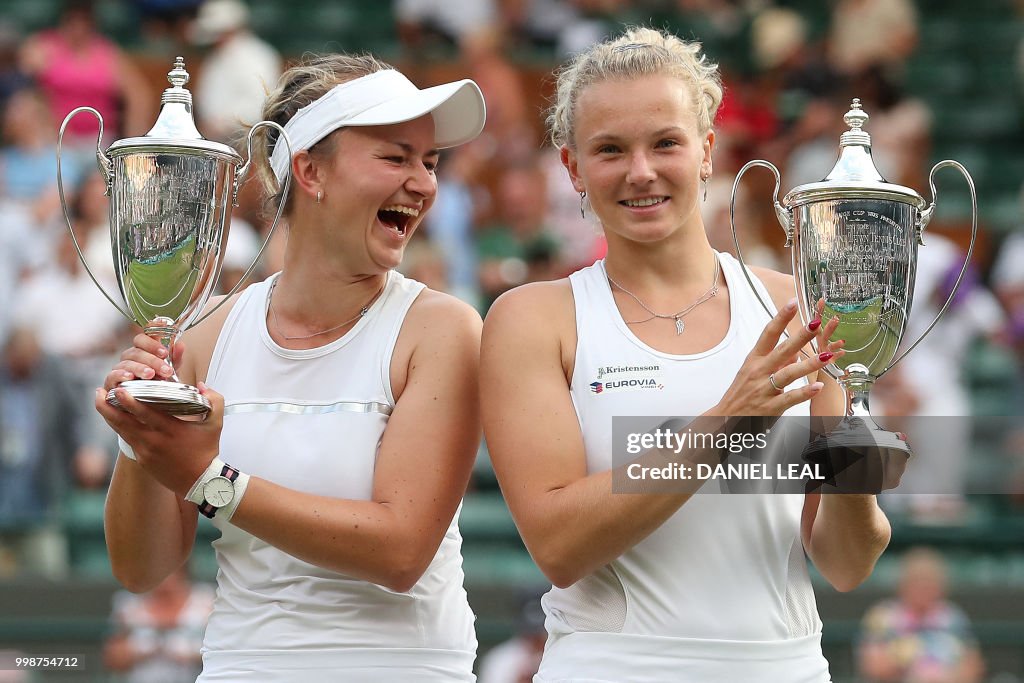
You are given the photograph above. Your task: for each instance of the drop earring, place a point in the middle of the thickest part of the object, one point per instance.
(704, 179)
(319, 196)
(583, 197)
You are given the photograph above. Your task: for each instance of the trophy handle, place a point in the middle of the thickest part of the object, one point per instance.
(239, 176)
(922, 222)
(106, 168)
(784, 215)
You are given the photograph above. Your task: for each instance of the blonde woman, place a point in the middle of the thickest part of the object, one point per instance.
(660, 587)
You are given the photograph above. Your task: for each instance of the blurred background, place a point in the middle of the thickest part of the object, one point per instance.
(939, 78)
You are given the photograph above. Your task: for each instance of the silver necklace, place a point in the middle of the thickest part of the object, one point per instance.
(277, 325)
(677, 317)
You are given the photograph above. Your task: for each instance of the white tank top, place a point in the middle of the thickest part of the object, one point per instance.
(312, 420)
(722, 581)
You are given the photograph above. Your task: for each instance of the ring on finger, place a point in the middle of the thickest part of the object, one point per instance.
(776, 387)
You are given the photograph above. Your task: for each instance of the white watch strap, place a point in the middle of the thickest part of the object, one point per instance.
(128, 451)
(195, 494)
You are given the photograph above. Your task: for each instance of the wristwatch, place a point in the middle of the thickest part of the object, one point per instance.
(219, 491)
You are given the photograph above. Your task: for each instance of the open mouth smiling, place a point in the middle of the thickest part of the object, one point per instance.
(397, 217)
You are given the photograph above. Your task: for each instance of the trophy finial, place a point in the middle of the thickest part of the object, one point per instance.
(856, 117)
(175, 121)
(177, 76)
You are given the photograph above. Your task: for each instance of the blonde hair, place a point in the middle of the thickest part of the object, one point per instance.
(637, 52)
(312, 78)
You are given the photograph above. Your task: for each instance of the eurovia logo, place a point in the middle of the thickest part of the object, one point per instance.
(627, 378)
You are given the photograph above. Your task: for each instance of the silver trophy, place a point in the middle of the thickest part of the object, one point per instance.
(854, 240)
(171, 193)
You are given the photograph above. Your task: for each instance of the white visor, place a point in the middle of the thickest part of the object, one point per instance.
(383, 98)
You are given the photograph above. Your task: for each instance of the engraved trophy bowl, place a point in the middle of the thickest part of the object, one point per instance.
(854, 239)
(171, 195)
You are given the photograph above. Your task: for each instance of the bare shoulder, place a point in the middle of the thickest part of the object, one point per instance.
(537, 306)
(437, 313)
(532, 326)
(779, 285)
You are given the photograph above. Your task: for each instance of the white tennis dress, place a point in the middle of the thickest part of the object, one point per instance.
(312, 421)
(720, 592)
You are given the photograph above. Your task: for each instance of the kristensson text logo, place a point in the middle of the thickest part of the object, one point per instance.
(627, 378)
(630, 369)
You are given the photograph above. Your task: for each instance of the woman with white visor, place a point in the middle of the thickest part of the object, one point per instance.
(345, 417)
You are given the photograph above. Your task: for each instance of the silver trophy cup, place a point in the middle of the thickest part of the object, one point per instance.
(854, 240)
(171, 195)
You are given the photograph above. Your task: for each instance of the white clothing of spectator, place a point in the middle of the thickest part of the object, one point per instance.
(237, 74)
(457, 19)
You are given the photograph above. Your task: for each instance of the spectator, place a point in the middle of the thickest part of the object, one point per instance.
(900, 127)
(1008, 283)
(75, 65)
(39, 418)
(941, 430)
(564, 26)
(450, 223)
(158, 635)
(423, 24)
(28, 160)
(70, 318)
(919, 637)
(23, 250)
(236, 75)
(519, 247)
(425, 263)
(12, 78)
(867, 33)
(64, 292)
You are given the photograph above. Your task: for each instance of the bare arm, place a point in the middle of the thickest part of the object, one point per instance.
(421, 472)
(570, 520)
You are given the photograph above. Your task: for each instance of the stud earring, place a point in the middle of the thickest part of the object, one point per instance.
(583, 198)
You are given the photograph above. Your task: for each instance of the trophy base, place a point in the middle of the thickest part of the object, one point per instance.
(173, 398)
(858, 456)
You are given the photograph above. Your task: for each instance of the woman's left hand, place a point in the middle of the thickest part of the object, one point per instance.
(173, 450)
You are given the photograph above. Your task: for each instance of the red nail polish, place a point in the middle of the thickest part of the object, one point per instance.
(814, 324)
(826, 356)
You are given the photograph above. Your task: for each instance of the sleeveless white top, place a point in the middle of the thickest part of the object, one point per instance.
(719, 592)
(312, 420)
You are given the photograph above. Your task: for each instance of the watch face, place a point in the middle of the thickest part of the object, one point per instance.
(219, 491)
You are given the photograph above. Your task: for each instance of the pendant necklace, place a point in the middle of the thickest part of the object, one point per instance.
(676, 317)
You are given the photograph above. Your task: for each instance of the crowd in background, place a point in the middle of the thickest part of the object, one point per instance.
(505, 215)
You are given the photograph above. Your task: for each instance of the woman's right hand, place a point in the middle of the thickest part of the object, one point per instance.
(751, 392)
(145, 360)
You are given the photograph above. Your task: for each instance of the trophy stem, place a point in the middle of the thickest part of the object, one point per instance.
(163, 330)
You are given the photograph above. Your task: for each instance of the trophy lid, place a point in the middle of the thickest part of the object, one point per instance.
(854, 174)
(175, 129)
